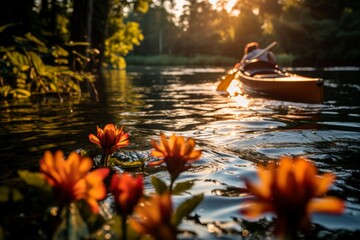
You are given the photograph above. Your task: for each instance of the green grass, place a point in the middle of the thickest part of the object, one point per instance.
(284, 60)
(168, 60)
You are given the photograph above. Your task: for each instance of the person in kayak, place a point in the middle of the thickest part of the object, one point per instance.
(252, 49)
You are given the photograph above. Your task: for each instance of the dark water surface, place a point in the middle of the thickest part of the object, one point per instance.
(235, 133)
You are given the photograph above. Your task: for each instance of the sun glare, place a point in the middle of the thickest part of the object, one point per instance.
(228, 6)
(179, 4)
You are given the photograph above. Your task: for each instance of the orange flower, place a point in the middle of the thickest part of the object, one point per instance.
(176, 153)
(291, 191)
(110, 138)
(127, 191)
(153, 217)
(71, 179)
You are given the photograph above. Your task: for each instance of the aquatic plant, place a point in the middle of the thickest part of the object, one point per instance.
(291, 189)
(176, 152)
(127, 191)
(153, 216)
(109, 140)
(71, 179)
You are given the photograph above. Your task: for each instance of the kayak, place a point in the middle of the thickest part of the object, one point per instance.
(261, 78)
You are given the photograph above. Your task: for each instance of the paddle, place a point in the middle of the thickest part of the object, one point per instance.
(225, 82)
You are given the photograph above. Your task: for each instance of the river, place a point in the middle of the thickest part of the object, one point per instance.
(235, 134)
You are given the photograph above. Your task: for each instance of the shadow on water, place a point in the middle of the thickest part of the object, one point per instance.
(235, 133)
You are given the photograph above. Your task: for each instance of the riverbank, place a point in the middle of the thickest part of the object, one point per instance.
(170, 60)
(198, 60)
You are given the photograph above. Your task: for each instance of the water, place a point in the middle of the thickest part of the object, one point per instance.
(235, 133)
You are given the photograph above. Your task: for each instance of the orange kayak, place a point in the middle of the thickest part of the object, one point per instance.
(265, 79)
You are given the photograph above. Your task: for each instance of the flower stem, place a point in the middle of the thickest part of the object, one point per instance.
(104, 160)
(123, 226)
(56, 222)
(68, 223)
(171, 186)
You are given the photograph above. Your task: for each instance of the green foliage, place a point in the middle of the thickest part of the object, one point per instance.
(182, 187)
(285, 59)
(179, 188)
(170, 60)
(2, 28)
(159, 185)
(316, 33)
(8, 194)
(186, 207)
(30, 67)
(122, 36)
(72, 226)
(34, 180)
(121, 42)
(93, 221)
(142, 5)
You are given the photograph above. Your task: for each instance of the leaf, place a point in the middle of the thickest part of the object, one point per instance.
(94, 221)
(37, 63)
(18, 59)
(20, 93)
(182, 187)
(72, 44)
(186, 207)
(10, 194)
(34, 39)
(58, 51)
(4, 91)
(159, 185)
(142, 6)
(34, 179)
(73, 227)
(61, 61)
(53, 87)
(2, 28)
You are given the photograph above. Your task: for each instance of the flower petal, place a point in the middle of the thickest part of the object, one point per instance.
(331, 205)
(255, 208)
(94, 139)
(323, 183)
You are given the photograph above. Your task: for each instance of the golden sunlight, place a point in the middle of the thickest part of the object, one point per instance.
(179, 4)
(233, 88)
(228, 6)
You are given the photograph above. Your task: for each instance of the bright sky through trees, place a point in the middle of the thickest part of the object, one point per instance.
(180, 3)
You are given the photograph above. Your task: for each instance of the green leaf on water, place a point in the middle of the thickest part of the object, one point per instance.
(186, 207)
(159, 185)
(10, 194)
(34, 179)
(182, 187)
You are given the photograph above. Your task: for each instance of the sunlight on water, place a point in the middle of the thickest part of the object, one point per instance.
(235, 132)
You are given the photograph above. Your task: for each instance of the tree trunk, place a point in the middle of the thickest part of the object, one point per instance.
(81, 27)
(99, 29)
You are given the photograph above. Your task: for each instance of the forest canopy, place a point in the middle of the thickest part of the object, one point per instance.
(315, 32)
(311, 32)
(47, 46)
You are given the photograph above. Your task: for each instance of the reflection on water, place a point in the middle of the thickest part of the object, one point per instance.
(235, 134)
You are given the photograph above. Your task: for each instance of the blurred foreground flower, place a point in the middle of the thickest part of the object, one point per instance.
(71, 179)
(153, 217)
(176, 153)
(109, 140)
(127, 191)
(291, 191)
